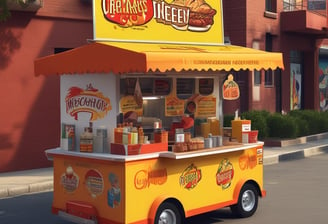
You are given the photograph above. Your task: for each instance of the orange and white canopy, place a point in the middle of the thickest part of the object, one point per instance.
(123, 58)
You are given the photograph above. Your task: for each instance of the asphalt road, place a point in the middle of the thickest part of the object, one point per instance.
(296, 193)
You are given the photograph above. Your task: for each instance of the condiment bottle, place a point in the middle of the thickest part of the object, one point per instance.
(86, 140)
(141, 135)
(134, 136)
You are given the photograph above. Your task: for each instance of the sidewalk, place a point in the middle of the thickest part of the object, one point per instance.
(38, 180)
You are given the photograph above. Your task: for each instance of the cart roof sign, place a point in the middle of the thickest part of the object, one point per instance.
(159, 21)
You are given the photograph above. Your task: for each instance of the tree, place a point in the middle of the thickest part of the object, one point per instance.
(4, 10)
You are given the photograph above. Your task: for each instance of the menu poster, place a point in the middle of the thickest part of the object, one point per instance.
(129, 103)
(174, 106)
(206, 106)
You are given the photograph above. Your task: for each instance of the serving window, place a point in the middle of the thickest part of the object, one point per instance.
(148, 86)
(206, 86)
(185, 87)
(127, 86)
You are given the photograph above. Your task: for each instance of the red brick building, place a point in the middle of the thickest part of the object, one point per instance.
(294, 27)
(29, 111)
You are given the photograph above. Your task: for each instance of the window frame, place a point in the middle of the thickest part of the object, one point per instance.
(269, 78)
(269, 74)
(271, 6)
(257, 79)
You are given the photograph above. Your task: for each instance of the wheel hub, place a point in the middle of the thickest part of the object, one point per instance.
(167, 217)
(248, 200)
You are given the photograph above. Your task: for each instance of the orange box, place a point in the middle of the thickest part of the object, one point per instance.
(118, 135)
(239, 127)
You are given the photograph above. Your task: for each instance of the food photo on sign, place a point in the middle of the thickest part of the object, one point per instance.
(230, 89)
(200, 15)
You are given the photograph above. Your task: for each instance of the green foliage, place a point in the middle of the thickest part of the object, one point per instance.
(302, 126)
(324, 122)
(4, 11)
(296, 123)
(315, 120)
(227, 120)
(281, 126)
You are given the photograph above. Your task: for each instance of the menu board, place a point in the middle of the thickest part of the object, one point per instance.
(173, 106)
(206, 106)
(129, 103)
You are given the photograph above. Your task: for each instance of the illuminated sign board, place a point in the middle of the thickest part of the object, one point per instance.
(159, 21)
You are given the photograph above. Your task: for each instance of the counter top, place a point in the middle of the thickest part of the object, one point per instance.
(164, 154)
(209, 151)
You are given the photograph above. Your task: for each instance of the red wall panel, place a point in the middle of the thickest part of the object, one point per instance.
(29, 111)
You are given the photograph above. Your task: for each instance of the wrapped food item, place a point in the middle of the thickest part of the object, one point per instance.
(201, 14)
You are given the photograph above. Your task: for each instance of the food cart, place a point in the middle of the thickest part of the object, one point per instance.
(142, 123)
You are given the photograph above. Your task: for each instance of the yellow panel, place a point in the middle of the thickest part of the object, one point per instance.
(158, 21)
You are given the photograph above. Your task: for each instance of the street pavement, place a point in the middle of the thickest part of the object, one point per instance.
(38, 180)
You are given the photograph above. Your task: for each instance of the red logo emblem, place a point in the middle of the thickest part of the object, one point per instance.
(89, 100)
(225, 174)
(190, 177)
(128, 13)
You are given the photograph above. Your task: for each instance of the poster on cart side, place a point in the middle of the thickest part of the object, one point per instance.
(88, 101)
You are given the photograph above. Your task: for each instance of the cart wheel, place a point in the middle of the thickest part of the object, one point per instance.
(167, 213)
(247, 202)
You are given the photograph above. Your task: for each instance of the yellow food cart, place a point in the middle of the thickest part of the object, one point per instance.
(141, 121)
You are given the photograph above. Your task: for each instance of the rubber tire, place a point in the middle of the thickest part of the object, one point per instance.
(167, 208)
(249, 192)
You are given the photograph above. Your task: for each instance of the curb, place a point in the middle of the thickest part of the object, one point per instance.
(295, 141)
(295, 155)
(30, 188)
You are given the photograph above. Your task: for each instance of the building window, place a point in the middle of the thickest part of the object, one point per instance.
(268, 78)
(206, 86)
(271, 5)
(289, 5)
(316, 4)
(60, 50)
(257, 74)
(185, 87)
(268, 42)
(257, 78)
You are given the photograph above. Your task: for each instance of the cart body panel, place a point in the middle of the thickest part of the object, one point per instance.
(129, 189)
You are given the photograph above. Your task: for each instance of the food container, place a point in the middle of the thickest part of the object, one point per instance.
(252, 136)
(179, 135)
(180, 147)
(161, 136)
